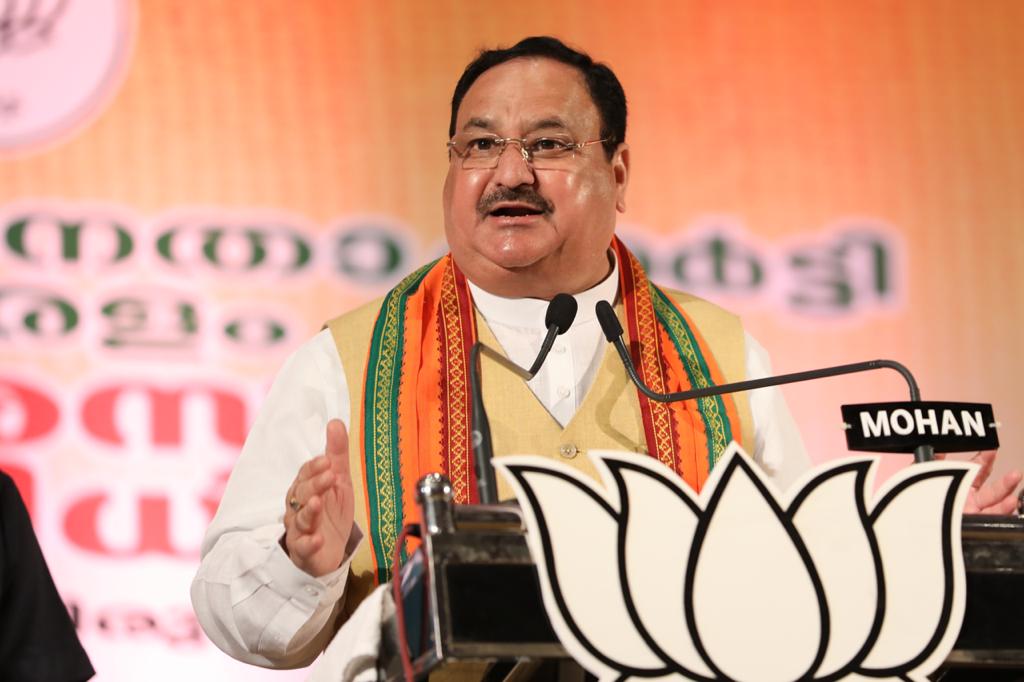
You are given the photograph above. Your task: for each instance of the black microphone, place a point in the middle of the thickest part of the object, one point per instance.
(613, 332)
(558, 318)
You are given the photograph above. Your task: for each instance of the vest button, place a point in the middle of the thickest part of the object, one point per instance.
(568, 450)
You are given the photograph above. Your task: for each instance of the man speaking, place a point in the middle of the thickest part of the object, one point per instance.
(538, 170)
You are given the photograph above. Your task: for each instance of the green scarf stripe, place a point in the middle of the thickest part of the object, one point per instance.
(712, 408)
(380, 429)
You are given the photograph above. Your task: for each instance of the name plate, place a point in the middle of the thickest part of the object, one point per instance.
(901, 427)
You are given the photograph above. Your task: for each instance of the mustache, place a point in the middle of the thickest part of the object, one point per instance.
(522, 194)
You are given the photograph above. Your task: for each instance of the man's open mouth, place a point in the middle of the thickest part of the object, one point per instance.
(515, 211)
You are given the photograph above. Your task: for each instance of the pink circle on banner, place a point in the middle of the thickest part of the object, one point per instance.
(61, 61)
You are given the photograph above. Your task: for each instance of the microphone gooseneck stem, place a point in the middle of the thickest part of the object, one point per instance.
(545, 348)
(924, 453)
(751, 384)
(613, 332)
(560, 314)
(483, 449)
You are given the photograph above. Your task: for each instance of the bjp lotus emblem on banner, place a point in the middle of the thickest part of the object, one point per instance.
(644, 578)
(61, 62)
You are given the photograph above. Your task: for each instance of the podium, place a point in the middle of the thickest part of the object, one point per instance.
(471, 593)
(992, 636)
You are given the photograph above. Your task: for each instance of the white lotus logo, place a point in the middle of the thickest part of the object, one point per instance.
(646, 579)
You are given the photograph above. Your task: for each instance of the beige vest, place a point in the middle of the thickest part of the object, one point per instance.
(609, 417)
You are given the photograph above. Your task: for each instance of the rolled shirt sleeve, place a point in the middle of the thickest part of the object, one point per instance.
(249, 597)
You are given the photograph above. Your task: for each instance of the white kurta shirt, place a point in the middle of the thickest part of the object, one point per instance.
(249, 597)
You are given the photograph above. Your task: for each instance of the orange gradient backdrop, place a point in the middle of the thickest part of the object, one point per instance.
(779, 123)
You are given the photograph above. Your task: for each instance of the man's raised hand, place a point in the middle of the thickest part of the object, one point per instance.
(997, 497)
(319, 510)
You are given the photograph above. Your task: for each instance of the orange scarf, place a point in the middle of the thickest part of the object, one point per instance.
(416, 403)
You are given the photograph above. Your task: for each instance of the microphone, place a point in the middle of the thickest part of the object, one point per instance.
(558, 318)
(613, 332)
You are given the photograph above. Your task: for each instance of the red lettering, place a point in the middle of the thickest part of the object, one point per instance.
(81, 524)
(230, 410)
(36, 414)
(82, 527)
(99, 413)
(25, 482)
(155, 523)
(210, 499)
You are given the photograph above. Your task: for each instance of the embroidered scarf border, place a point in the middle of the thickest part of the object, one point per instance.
(653, 322)
(380, 422)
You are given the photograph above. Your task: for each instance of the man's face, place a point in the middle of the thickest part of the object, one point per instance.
(517, 231)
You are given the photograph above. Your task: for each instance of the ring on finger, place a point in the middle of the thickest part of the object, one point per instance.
(294, 504)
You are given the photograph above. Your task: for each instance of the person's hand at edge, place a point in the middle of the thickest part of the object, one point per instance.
(998, 496)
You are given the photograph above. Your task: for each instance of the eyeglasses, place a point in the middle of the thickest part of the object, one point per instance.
(482, 150)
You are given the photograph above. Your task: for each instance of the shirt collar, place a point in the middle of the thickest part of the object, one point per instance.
(529, 313)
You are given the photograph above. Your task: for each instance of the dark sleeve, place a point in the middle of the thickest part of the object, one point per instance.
(37, 638)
